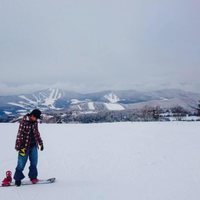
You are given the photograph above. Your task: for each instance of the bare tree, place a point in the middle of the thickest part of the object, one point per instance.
(156, 113)
(147, 113)
(198, 109)
(178, 112)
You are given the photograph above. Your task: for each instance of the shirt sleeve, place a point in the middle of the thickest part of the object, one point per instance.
(39, 139)
(20, 136)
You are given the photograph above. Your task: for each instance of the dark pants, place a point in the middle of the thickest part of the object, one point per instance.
(32, 154)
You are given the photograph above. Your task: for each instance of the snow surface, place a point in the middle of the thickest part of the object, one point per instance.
(119, 161)
(89, 112)
(79, 107)
(16, 104)
(162, 98)
(114, 106)
(187, 118)
(7, 113)
(91, 105)
(27, 99)
(75, 101)
(112, 98)
(54, 95)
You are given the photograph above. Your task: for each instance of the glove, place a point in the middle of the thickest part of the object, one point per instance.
(41, 147)
(22, 152)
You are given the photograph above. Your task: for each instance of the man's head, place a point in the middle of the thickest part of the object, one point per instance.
(35, 114)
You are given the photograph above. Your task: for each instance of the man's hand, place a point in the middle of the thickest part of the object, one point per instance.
(42, 147)
(22, 152)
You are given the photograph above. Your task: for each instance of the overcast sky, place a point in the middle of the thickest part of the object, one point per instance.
(93, 45)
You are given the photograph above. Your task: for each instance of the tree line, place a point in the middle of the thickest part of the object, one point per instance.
(147, 113)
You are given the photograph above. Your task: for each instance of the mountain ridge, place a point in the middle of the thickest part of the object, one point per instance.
(113, 100)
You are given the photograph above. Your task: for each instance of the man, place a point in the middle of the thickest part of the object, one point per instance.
(27, 142)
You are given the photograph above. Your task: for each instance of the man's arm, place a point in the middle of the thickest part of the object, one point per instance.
(19, 140)
(39, 139)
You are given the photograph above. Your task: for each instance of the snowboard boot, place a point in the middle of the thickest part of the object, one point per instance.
(7, 181)
(18, 183)
(34, 180)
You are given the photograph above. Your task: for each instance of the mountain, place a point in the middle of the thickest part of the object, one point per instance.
(57, 99)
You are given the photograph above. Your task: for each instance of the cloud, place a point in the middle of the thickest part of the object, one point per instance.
(85, 88)
(20, 89)
(89, 46)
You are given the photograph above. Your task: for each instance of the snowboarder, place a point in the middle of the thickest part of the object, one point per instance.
(27, 143)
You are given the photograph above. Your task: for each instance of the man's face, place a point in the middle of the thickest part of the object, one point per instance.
(32, 118)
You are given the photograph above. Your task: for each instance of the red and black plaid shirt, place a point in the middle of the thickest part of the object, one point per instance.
(24, 137)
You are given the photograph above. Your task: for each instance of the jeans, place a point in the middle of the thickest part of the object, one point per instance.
(32, 154)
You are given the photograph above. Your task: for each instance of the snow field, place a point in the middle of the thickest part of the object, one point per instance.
(114, 106)
(91, 105)
(142, 161)
(112, 98)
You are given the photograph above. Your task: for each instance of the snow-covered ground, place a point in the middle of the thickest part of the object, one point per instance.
(75, 101)
(91, 105)
(119, 161)
(114, 106)
(112, 98)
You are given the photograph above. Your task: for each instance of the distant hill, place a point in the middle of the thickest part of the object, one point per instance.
(57, 99)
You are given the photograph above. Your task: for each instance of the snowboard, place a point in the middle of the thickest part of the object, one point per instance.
(26, 182)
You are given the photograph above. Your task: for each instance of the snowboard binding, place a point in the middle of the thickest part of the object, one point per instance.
(7, 181)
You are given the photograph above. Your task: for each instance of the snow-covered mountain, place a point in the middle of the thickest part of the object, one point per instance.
(44, 99)
(21, 104)
(57, 99)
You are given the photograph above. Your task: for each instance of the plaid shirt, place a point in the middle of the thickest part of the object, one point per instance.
(24, 137)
